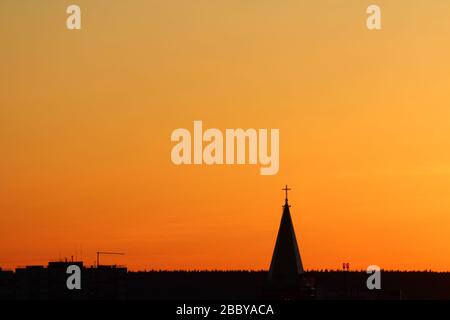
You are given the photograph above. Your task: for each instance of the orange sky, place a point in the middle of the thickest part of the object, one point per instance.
(86, 118)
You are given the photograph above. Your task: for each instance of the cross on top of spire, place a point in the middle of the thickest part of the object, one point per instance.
(286, 189)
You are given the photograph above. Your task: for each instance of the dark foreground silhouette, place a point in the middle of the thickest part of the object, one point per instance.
(113, 282)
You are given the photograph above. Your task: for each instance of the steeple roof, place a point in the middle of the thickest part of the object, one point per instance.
(286, 265)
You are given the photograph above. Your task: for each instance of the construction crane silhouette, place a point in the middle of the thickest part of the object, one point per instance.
(105, 252)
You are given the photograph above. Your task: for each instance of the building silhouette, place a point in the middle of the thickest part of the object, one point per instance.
(286, 266)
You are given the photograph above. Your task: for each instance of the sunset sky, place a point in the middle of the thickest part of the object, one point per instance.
(86, 118)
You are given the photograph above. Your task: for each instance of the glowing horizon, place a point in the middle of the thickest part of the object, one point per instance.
(86, 119)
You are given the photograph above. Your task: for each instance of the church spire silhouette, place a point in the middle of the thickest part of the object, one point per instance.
(286, 265)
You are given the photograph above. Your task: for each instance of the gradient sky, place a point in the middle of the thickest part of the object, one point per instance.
(86, 118)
